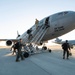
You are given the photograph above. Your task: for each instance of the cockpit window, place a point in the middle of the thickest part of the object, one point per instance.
(61, 13)
(65, 12)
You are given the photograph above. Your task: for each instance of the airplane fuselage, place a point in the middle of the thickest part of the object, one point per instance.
(59, 24)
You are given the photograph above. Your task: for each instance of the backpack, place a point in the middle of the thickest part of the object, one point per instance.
(65, 46)
(17, 45)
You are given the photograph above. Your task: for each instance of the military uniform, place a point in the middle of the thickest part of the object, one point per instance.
(66, 49)
(19, 52)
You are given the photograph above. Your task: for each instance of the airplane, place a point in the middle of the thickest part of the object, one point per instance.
(59, 41)
(49, 28)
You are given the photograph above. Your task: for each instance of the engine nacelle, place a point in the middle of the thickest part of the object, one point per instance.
(29, 31)
(8, 42)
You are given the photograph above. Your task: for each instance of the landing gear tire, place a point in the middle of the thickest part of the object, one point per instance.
(41, 43)
(50, 50)
(26, 54)
(44, 48)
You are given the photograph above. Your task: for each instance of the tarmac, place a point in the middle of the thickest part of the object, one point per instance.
(43, 63)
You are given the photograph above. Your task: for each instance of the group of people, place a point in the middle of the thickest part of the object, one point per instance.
(18, 47)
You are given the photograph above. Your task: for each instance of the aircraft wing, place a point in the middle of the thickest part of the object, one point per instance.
(13, 40)
(9, 41)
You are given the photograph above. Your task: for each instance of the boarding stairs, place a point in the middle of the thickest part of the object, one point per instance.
(39, 34)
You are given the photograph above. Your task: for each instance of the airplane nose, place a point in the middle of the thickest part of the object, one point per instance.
(70, 20)
(73, 19)
(73, 14)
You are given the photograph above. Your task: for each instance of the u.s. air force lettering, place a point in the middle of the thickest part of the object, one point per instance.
(59, 28)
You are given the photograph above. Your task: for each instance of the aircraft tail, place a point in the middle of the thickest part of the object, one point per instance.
(18, 35)
(58, 41)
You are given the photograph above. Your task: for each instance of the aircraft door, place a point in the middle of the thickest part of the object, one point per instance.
(47, 22)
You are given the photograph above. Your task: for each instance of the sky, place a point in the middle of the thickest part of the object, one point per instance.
(20, 15)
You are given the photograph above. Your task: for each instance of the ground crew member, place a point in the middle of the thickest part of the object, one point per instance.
(14, 49)
(36, 23)
(66, 48)
(19, 52)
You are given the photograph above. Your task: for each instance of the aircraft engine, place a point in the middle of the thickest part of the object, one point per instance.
(29, 31)
(8, 42)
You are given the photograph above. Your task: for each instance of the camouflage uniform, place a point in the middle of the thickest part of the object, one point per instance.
(19, 52)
